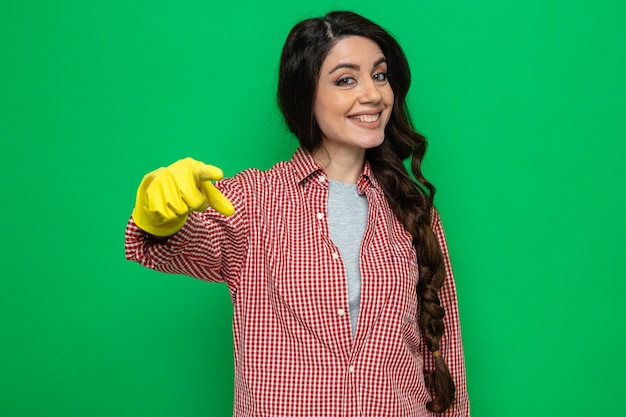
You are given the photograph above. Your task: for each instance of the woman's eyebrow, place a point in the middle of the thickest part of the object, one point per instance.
(344, 65)
(354, 66)
(379, 61)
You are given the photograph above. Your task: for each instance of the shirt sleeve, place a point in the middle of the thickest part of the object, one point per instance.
(451, 345)
(210, 246)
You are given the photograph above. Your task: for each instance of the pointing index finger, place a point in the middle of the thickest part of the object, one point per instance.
(203, 172)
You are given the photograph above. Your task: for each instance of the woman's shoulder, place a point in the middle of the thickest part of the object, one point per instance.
(279, 173)
(278, 170)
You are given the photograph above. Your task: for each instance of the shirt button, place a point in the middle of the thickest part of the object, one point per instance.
(335, 255)
(322, 179)
(351, 369)
(341, 312)
(319, 216)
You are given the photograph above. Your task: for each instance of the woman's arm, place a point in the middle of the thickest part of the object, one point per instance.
(210, 246)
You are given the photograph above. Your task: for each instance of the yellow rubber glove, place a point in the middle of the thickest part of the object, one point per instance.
(166, 196)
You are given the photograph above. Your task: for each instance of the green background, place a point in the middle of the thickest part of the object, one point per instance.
(524, 104)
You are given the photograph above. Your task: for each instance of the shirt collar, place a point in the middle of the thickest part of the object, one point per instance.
(306, 168)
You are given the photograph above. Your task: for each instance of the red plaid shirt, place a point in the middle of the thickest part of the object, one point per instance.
(294, 354)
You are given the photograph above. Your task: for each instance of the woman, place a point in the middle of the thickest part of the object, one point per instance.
(322, 253)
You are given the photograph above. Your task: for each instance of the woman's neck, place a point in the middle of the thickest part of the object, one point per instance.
(344, 166)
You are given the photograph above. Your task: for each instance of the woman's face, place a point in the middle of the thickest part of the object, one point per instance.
(353, 100)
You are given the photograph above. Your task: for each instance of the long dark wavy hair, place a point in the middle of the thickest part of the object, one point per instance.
(305, 49)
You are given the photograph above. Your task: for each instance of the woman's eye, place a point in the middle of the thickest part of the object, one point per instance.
(345, 81)
(381, 76)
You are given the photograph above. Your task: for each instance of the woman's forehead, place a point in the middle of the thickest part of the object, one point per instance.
(353, 50)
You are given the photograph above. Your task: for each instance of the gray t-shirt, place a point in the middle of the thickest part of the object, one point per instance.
(347, 218)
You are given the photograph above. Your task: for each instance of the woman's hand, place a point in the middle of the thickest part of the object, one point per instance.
(166, 196)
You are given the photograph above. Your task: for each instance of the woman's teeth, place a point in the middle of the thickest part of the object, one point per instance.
(367, 117)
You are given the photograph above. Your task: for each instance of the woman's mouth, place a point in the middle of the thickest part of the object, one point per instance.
(366, 118)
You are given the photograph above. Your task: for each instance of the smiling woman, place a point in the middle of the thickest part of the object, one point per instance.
(340, 228)
(353, 103)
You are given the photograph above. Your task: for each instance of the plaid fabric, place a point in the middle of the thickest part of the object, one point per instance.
(294, 354)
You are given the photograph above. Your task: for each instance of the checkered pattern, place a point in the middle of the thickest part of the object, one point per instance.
(294, 354)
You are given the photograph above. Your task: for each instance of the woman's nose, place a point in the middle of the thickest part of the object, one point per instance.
(369, 92)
